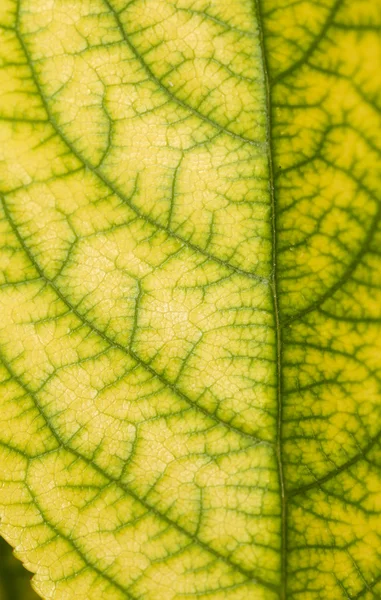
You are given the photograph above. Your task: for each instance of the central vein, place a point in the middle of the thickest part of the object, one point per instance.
(274, 293)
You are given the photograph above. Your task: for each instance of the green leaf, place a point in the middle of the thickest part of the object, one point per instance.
(190, 327)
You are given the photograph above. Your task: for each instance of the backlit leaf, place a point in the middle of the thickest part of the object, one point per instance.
(190, 331)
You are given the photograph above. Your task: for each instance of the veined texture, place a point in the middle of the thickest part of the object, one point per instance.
(190, 332)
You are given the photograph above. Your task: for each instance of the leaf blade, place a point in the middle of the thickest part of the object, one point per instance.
(163, 404)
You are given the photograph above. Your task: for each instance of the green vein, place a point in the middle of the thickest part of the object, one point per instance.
(313, 47)
(274, 291)
(164, 89)
(249, 575)
(114, 344)
(125, 199)
(336, 472)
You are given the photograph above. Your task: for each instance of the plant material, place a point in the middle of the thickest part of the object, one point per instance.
(190, 299)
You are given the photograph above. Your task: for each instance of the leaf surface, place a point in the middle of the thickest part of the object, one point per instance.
(190, 297)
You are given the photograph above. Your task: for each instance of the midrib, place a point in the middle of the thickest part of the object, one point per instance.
(274, 293)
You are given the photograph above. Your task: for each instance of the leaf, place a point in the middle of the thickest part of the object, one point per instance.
(190, 297)
(14, 580)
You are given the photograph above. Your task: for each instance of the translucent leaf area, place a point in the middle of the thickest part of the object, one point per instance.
(190, 298)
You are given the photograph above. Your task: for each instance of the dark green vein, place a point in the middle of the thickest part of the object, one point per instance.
(335, 472)
(313, 47)
(345, 277)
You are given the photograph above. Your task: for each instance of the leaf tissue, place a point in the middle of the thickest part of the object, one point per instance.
(190, 297)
